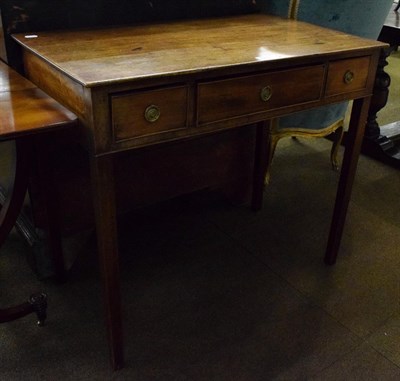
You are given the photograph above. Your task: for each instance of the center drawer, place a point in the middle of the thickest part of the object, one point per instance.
(148, 112)
(231, 98)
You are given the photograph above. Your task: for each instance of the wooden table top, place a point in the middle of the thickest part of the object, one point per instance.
(119, 54)
(25, 109)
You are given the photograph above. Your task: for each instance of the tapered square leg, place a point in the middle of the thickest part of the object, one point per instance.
(353, 147)
(102, 173)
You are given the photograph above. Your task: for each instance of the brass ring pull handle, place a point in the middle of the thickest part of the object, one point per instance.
(266, 93)
(348, 77)
(152, 113)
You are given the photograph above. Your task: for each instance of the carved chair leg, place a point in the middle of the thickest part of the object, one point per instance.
(37, 303)
(273, 141)
(338, 136)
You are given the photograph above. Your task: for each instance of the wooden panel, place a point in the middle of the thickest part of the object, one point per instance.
(132, 112)
(149, 175)
(357, 69)
(240, 96)
(55, 83)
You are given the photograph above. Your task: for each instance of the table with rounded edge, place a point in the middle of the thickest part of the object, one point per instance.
(26, 113)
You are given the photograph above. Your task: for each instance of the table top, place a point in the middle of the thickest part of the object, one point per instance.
(25, 109)
(120, 54)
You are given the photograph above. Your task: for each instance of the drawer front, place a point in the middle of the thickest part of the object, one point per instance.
(257, 93)
(348, 75)
(142, 113)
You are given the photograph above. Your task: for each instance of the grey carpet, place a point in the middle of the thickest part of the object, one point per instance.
(213, 291)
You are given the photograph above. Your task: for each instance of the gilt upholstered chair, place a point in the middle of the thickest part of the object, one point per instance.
(359, 17)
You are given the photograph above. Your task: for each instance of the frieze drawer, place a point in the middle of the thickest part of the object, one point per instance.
(235, 97)
(347, 75)
(142, 113)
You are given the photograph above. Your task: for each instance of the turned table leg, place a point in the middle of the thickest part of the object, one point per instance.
(379, 97)
(376, 144)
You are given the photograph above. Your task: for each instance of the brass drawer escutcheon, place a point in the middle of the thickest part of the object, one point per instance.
(348, 77)
(152, 113)
(266, 93)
